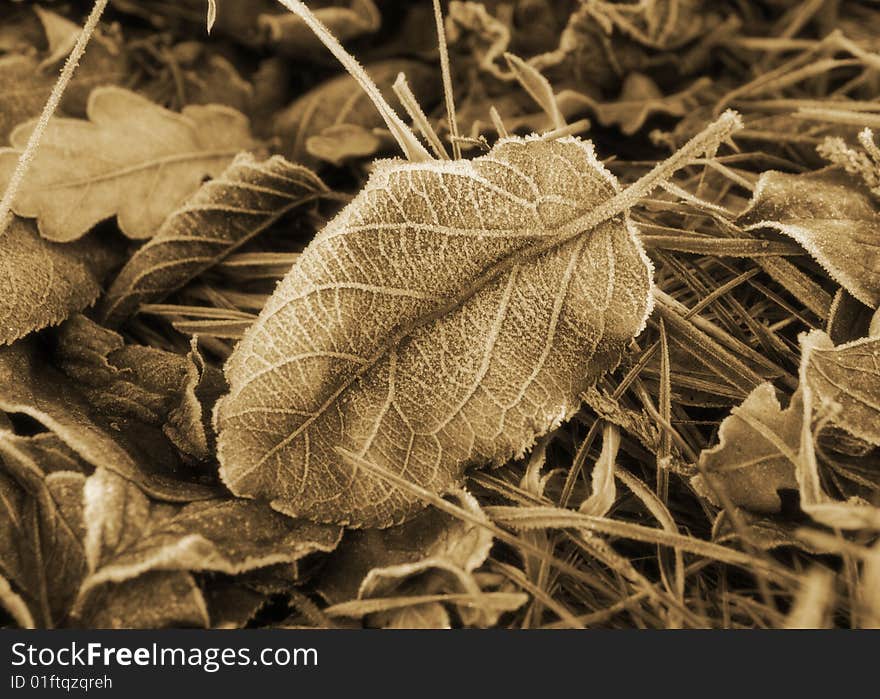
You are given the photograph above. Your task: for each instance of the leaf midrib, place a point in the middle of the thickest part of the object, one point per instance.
(140, 167)
(580, 225)
(618, 204)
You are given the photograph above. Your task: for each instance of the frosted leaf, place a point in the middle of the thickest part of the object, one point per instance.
(448, 316)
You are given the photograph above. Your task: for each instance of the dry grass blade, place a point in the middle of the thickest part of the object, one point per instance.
(550, 517)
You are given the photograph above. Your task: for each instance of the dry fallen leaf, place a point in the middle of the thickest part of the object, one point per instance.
(223, 214)
(26, 80)
(41, 526)
(763, 448)
(42, 283)
(431, 535)
(658, 24)
(23, 91)
(469, 354)
(469, 25)
(434, 553)
(128, 535)
(31, 386)
(131, 158)
(289, 35)
(188, 425)
(832, 217)
(232, 605)
(155, 600)
(61, 34)
(144, 394)
(639, 99)
(342, 142)
(854, 512)
(341, 101)
(750, 468)
(845, 381)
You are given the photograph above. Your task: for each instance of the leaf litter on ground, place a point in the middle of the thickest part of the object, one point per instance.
(417, 333)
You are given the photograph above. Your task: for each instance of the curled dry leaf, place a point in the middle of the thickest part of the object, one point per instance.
(188, 425)
(119, 379)
(26, 81)
(31, 386)
(128, 535)
(832, 217)
(845, 383)
(657, 24)
(470, 24)
(639, 99)
(153, 399)
(848, 318)
(337, 144)
(289, 35)
(434, 553)
(855, 512)
(223, 214)
(131, 158)
(42, 283)
(471, 350)
(431, 535)
(764, 448)
(61, 34)
(749, 467)
(341, 101)
(592, 56)
(24, 90)
(603, 492)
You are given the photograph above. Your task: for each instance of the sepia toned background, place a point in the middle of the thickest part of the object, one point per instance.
(414, 314)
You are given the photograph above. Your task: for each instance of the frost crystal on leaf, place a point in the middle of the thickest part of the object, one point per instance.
(417, 332)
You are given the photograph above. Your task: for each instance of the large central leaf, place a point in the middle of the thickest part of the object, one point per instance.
(432, 325)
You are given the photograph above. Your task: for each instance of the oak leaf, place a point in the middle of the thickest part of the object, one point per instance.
(414, 334)
(131, 158)
(832, 217)
(223, 214)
